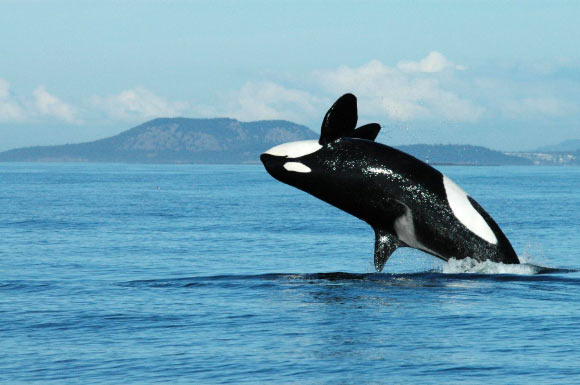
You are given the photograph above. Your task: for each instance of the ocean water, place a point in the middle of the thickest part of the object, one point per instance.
(190, 274)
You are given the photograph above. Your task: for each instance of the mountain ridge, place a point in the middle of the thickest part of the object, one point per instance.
(566, 145)
(226, 140)
(174, 140)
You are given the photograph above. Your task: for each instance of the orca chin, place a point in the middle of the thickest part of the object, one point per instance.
(273, 164)
(268, 160)
(407, 202)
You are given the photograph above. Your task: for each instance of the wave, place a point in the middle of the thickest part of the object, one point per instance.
(454, 271)
(472, 266)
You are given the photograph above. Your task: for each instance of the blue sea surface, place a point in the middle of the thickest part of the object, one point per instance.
(191, 274)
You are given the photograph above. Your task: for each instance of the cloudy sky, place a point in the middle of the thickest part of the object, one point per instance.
(500, 74)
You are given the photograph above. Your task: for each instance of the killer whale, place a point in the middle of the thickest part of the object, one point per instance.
(407, 202)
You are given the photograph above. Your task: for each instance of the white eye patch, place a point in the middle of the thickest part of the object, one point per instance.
(295, 149)
(296, 167)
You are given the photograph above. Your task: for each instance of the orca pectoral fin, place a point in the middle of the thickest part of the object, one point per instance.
(368, 131)
(340, 120)
(385, 245)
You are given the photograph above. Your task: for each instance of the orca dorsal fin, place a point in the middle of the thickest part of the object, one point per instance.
(340, 120)
(385, 246)
(368, 131)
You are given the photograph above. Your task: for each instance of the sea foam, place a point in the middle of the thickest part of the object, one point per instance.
(470, 265)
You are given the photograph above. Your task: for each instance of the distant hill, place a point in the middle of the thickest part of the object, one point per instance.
(570, 145)
(461, 154)
(174, 140)
(223, 140)
(550, 158)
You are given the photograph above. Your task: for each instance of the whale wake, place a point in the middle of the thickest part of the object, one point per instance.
(472, 266)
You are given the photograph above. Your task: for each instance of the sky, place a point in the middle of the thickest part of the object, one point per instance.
(504, 75)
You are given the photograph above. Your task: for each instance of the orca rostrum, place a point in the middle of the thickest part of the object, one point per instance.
(407, 202)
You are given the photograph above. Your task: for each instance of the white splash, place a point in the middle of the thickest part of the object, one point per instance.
(296, 167)
(469, 265)
(295, 149)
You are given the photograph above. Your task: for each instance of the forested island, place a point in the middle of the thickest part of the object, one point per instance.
(224, 140)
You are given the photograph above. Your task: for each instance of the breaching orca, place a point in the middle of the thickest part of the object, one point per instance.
(407, 202)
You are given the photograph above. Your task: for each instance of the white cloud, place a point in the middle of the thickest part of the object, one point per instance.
(548, 106)
(10, 109)
(434, 62)
(268, 100)
(428, 89)
(400, 95)
(529, 98)
(138, 103)
(48, 104)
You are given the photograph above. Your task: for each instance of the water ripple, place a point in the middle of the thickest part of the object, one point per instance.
(543, 274)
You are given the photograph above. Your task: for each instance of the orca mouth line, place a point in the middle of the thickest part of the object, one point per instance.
(543, 274)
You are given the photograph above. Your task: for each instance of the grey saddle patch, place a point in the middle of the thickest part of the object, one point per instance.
(405, 230)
